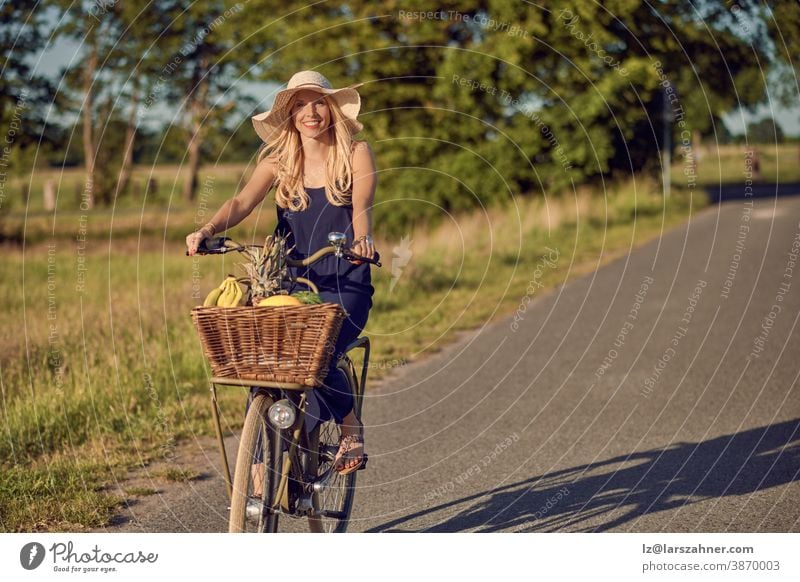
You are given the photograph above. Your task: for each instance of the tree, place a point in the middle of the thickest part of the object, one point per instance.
(481, 100)
(24, 96)
(89, 87)
(144, 32)
(784, 31)
(123, 56)
(202, 72)
(723, 135)
(764, 131)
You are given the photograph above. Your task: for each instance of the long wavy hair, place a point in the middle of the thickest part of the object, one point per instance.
(287, 150)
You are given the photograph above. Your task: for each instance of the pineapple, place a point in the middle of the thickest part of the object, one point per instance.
(267, 269)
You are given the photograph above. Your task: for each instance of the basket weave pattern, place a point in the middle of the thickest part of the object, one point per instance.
(273, 344)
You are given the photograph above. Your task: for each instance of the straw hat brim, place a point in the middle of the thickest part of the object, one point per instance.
(270, 123)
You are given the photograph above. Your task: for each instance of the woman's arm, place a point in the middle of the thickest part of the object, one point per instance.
(236, 209)
(365, 181)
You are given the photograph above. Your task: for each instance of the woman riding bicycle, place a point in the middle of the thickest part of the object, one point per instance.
(324, 181)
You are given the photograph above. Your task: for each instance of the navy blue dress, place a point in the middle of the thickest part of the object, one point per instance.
(308, 232)
(339, 281)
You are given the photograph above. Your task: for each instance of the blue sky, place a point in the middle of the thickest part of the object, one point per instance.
(63, 51)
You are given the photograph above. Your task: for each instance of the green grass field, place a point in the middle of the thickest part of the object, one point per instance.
(103, 371)
(726, 165)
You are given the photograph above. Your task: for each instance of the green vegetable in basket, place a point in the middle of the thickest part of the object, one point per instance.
(308, 297)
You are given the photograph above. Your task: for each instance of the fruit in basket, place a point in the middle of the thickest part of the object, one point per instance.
(267, 268)
(213, 297)
(279, 300)
(308, 297)
(228, 294)
(232, 294)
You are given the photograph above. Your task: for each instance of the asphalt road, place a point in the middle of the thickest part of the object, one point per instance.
(658, 393)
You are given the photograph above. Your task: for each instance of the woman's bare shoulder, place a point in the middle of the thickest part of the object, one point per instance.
(363, 160)
(360, 145)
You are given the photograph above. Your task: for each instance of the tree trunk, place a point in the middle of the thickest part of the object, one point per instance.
(104, 177)
(193, 165)
(130, 135)
(87, 197)
(198, 116)
(152, 189)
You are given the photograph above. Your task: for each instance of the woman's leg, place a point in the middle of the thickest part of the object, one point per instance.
(333, 398)
(335, 392)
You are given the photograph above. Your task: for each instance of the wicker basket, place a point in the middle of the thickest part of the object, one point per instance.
(274, 344)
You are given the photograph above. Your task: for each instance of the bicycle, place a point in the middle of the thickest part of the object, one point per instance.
(299, 479)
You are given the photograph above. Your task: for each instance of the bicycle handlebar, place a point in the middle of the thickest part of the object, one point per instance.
(220, 245)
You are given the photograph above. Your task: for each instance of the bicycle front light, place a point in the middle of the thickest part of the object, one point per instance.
(282, 414)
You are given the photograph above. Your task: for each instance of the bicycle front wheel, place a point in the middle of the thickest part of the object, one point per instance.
(257, 473)
(334, 504)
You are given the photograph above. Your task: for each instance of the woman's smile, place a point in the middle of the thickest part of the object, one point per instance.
(311, 113)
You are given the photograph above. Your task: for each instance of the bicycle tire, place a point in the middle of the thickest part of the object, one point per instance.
(339, 496)
(255, 423)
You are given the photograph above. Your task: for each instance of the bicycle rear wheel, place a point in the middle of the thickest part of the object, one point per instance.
(335, 503)
(249, 512)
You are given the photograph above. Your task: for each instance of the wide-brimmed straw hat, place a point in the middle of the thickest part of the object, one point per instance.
(270, 123)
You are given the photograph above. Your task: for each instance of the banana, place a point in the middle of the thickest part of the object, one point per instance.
(227, 296)
(213, 297)
(237, 294)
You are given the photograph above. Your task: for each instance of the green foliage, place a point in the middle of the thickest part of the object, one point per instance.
(24, 93)
(764, 131)
(489, 99)
(543, 95)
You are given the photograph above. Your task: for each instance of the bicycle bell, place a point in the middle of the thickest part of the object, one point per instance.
(338, 240)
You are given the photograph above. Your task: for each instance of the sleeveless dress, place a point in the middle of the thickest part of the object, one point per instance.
(308, 232)
(339, 281)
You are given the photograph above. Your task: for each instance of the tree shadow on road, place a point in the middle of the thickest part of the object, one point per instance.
(726, 192)
(605, 495)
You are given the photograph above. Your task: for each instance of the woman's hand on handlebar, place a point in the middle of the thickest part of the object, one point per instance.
(193, 241)
(364, 247)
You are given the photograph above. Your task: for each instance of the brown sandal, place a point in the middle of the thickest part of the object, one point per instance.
(347, 444)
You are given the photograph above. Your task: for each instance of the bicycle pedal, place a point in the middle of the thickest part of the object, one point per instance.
(364, 462)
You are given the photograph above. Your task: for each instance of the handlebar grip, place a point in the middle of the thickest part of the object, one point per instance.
(212, 246)
(375, 260)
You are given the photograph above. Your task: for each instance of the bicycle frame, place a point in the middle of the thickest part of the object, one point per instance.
(296, 430)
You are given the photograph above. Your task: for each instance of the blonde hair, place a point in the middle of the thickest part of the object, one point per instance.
(287, 150)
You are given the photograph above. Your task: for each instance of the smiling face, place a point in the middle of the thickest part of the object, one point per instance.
(310, 113)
